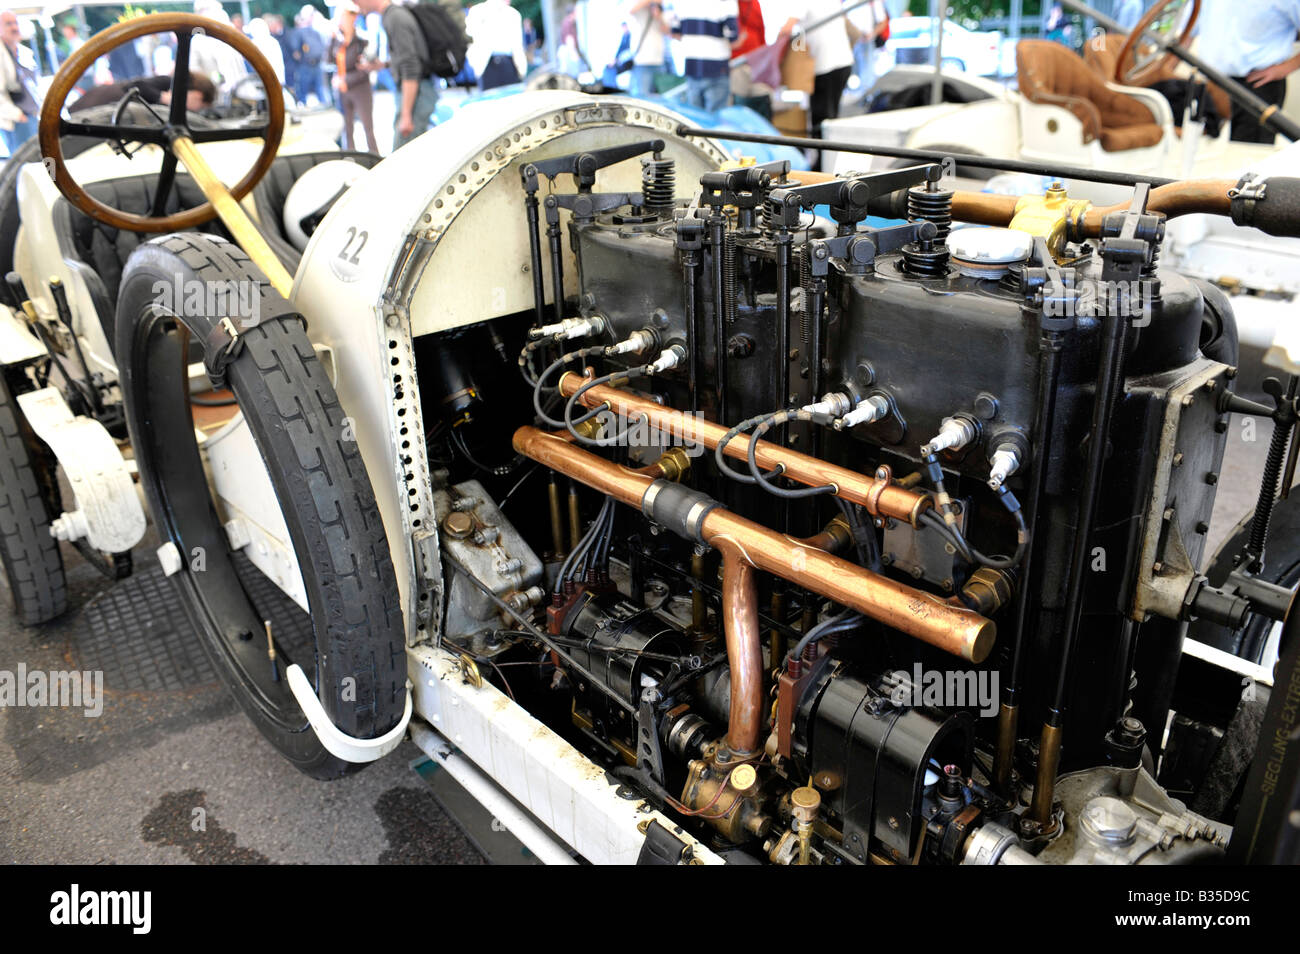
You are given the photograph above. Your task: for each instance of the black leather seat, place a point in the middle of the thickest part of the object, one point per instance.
(98, 252)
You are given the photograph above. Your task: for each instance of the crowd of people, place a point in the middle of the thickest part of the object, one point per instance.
(342, 58)
(714, 49)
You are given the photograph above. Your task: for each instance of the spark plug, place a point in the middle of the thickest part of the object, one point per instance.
(954, 434)
(1004, 462)
(635, 343)
(569, 328)
(835, 404)
(670, 358)
(873, 409)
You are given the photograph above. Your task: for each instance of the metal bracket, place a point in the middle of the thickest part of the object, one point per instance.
(109, 515)
(848, 198)
(336, 742)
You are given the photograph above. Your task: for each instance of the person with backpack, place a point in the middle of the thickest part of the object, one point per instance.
(425, 42)
(497, 53)
(308, 51)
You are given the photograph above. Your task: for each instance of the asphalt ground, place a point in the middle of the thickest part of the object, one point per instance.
(172, 771)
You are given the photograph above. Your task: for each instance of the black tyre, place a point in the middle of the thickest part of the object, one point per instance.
(38, 590)
(358, 661)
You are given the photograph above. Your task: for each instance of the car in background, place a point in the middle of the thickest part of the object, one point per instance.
(911, 43)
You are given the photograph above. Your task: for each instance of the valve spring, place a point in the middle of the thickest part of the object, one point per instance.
(659, 184)
(931, 205)
(1151, 269)
(1268, 490)
(805, 282)
(729, 275)
(929, 262)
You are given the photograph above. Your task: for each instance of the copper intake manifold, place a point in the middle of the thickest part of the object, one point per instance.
(746, 546)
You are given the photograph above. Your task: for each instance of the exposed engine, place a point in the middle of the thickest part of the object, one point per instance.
(842, 541)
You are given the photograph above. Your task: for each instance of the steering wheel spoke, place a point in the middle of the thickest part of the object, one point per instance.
(153, 135)
(181, 77)
(228, 135)
(166, 180)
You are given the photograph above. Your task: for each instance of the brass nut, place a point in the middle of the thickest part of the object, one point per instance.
(675, 464)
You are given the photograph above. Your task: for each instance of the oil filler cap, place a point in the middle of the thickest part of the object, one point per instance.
(988, 252)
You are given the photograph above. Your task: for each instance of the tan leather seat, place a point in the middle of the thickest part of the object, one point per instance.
(1101, 53)
(1050, 73)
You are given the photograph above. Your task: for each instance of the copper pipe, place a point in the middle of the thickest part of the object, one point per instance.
(1004, 754)
(575, 518)
(1178, 198)
(557, 521)
(744, 652)
(942, 623)
(1049, 759)
(776, 636)
(699, 609)
(881, 498)
(983, 209)
(1209, 196)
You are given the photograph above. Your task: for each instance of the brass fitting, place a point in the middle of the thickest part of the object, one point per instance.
(1053, 216)
(805, 802)
(674, 465)
(734, 798)
(987, 590)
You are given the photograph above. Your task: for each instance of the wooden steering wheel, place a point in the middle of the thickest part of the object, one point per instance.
(1143, 59)
(186, 26)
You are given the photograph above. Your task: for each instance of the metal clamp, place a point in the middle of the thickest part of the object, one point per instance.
(225, 343)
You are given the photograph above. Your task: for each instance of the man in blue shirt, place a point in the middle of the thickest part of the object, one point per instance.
(708, 30)
(1254, 43)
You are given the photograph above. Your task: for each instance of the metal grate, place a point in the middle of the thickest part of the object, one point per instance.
(138, 635)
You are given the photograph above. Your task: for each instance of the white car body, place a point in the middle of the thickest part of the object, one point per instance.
(911, 42)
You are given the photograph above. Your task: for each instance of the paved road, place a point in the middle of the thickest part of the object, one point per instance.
(179, 775)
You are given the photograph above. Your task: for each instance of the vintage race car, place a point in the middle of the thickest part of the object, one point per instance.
(803, 567)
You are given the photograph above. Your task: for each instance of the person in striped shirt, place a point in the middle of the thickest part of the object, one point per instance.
(708, 29)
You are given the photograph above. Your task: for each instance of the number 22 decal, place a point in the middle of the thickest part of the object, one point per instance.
(360, 239)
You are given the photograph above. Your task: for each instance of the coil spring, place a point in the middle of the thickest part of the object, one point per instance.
(805, 282)
(931, 205)
(729, 275)
(1151, 269)
(1268, 490)
(658, 184)
(929, 262)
